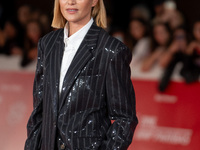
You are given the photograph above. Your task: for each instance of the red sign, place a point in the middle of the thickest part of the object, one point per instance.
(169, 120)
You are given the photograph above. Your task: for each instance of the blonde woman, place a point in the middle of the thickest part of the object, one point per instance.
(82, 82)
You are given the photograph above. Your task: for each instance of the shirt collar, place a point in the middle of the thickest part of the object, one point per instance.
(77, 37)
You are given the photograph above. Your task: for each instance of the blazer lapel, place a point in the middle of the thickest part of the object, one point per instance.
(55, 59)
(83, 55)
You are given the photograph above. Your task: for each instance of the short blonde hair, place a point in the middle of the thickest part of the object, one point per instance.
(98, 13)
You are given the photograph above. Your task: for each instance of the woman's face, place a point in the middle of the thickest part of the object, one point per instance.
(137, 30)
(10, 30)
(33, 31)
(24, 14)
(161, 35)
(77, 11)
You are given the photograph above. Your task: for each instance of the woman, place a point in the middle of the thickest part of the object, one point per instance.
(82, 83)
(191, 68)
(32, 36)
(174, 55)
(161, 39)
(140, 39)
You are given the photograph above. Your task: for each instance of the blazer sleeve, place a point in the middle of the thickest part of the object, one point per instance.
(120, 102)
(34, 124)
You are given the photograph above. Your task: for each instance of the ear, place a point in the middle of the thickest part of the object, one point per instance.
(94, 2)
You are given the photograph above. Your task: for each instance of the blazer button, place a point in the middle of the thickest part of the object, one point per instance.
(62, 146)
(54, 124)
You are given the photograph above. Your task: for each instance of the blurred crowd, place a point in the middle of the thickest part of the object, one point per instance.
(21, 31)
(162, 40)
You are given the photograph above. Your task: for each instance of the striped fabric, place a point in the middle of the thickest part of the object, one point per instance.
(96, 89)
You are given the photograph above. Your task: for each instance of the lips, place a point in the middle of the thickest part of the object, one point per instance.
(72, 10)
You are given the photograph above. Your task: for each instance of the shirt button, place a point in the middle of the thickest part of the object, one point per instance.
(62, 146)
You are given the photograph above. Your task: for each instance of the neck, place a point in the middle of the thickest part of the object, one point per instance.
(73, 27)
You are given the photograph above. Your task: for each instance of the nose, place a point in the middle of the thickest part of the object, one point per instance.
(71, 2)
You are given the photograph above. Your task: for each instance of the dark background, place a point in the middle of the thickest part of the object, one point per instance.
(119, 10)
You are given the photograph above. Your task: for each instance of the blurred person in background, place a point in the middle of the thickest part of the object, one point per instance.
(139, 32)
(191, 69)
(45, 22)
(159, 11)
(140, 11)
(171, 15)
(35, 13)
(23, 17)
(10, 42)
(33, 33)
(160, 41)
(118, 34)
(121, 35)
(43, 18)
(175, 54)
(166, 12)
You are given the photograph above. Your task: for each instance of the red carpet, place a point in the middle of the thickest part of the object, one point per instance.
(167, 121)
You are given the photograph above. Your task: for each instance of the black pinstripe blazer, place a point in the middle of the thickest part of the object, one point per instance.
(96, 89)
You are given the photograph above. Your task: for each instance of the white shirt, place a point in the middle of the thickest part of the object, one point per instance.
(140, 51)
(72, 44)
